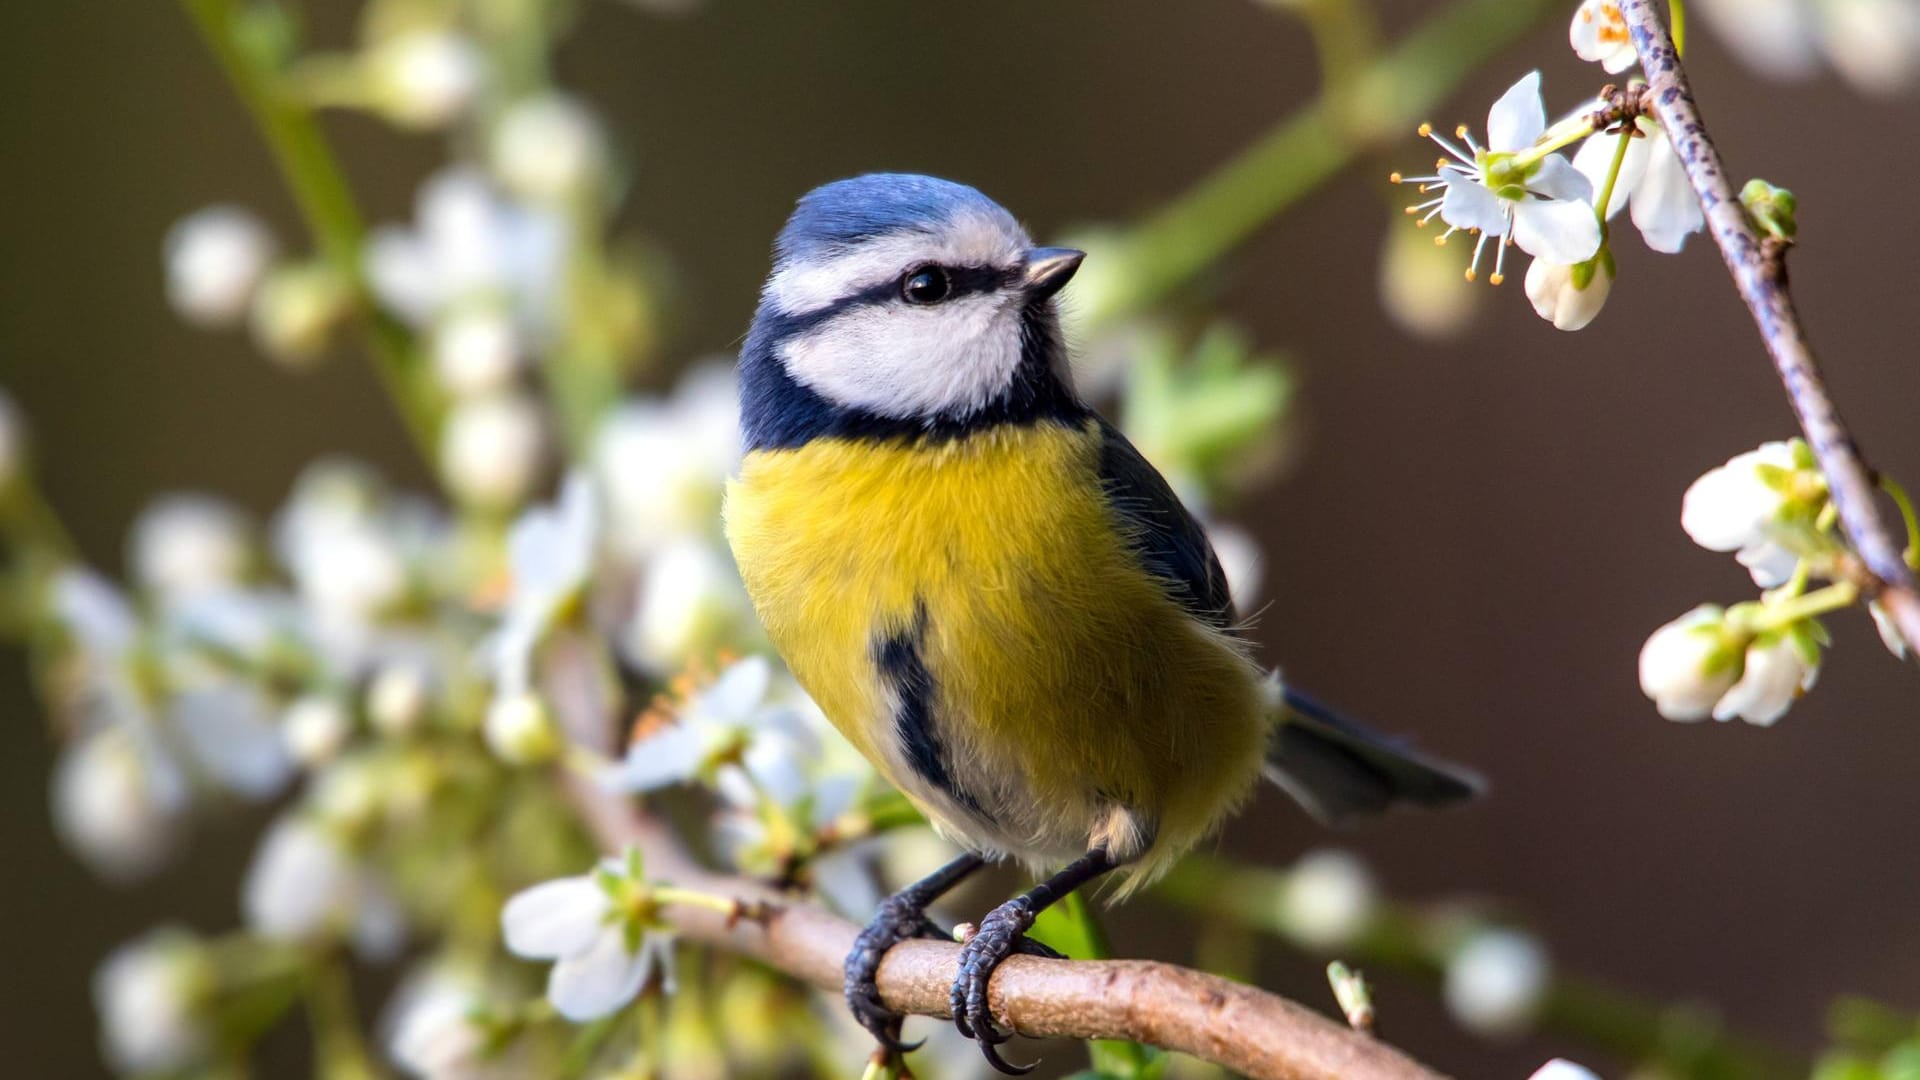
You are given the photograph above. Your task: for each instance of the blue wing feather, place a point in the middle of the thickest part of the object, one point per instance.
(1169, 541)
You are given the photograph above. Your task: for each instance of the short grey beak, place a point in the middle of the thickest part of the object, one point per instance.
(1049, 268)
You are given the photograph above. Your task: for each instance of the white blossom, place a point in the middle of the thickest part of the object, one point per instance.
(470, 245)
(215, 260)
(184, 545)
(1239, 555)
(492, 449)
(1329, 899)
(603, 954)
(476, 351)
(1778, 668)
(1543, 206)
(226, 726)
(550, 553)
(662, 463)
(342, 552)
(1653, 180)
(426, 78)
(316, 728)
(1740, 507)
(691, 602)
(1688, 664)
(149, 994)
(548, 147)
(1599, 34)
(724, 723)
(1495, 982)
(433, 1031)
(119, 802)
(304, 886)
(1569, 297)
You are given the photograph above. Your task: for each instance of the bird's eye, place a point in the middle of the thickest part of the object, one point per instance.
(927, 285)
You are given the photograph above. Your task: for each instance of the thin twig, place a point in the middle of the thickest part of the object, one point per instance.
(1757, 274)
(1245, 1029)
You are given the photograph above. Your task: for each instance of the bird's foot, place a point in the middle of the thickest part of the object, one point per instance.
(897, 920)
(1000, 935)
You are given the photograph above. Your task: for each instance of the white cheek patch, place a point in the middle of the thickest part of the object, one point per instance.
(904, 362)
(970, 239)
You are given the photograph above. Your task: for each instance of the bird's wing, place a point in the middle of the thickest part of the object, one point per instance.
(1169, 542)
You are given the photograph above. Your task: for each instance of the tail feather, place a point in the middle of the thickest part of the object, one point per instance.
(1337, 769)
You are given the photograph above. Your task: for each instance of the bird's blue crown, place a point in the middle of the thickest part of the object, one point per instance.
(834, 217)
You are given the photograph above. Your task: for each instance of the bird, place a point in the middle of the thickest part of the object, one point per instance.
(989, 591)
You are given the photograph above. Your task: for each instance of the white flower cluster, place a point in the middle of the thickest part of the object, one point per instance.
(1770, 508)
(1517, 190)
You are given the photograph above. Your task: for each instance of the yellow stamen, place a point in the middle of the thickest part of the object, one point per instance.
(1469, 273)
(1461, 131)
(1497, 278)
(1426, 130)
(1393, 178)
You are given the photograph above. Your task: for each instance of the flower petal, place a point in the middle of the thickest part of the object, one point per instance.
(1595, 158)
(590, 984)
(1517, 119)
(554, 919)
(1469, 205)
(1556, 230)
(736, 694)
(1558, 180)
(1664, 205)
(660, 760)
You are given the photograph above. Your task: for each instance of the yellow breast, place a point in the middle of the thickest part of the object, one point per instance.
(1072, 694)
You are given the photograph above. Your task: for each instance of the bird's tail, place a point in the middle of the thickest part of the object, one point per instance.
(1337, 769)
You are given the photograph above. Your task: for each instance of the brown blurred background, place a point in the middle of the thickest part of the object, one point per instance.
(1473, 544)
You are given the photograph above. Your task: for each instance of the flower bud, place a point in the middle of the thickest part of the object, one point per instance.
(151, 994)
(1741, 505)
(476, 352)
(520, 730)
(547, 147)
(1570, 297)
(1771, 208)
(1689, 663)
(426, 79)
(296, 312)
(215, 260)
(1599, 35)
(1328, 900)
(1779, 667)
(491, 450)
(185, 545)
(1495, 982)
(398, 700)
(315, 728)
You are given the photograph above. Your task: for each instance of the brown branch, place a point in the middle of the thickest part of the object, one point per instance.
(1245, 1029)
(1757, 275)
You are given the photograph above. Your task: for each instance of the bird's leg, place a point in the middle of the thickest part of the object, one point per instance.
(901, 917)
(1000, 936)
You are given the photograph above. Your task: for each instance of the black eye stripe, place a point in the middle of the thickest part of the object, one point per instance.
(961, 281)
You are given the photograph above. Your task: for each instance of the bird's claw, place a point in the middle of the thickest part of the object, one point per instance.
(897, 920)
(1000, 935)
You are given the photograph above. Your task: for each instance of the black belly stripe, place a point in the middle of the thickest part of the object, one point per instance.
(905, 671)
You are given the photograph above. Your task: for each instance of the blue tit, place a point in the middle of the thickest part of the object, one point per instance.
(987, 589)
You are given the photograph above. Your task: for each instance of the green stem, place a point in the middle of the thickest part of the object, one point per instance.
(1408, 939)
(1840, 594)
(1677, 22)
(319, 189)
(1293, 159)
(1613, 178)
(338, 1050)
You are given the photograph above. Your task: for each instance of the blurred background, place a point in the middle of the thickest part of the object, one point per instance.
(1470, 542)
